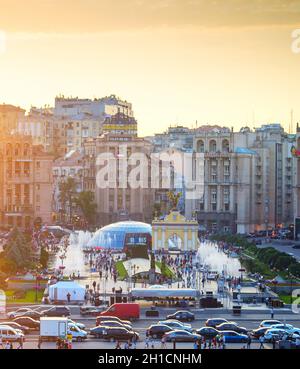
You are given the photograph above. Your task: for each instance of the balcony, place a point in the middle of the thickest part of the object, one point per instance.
(18, 209)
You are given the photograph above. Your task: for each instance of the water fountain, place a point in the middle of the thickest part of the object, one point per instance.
(214, 259)
(74, 260)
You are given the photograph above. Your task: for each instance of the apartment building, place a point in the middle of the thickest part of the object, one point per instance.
(248, 179)
(25, 182)
(117, 200)
(9, 118)
(69, 166)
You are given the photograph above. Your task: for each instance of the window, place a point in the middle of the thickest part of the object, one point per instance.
(225, 146)
(213, 146)
(200, 146)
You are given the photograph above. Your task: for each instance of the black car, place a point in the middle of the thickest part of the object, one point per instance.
(28, 322)
(214, 322)
(57, 311)
(157, 330)
(182, 315)
(258, 332)
(99, 331)
(16, 325)
(230, 326)
(113, 333)
(207, 332)
(90, 310)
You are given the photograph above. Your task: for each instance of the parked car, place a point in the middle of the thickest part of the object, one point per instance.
(207, 332)
(90, 310)
(102, 319)
(182, 315)
(215, 321)
(181, 336)
(234, 337)
(55, 311)
(157, 330)
(28, 322)
(114, 323)
(79, 325)
(269, 323)
(258, 332)
(15, 325)
(286, 327)
(114, 333)
(296, 331)
(13, 314)
(9, 334)
(123, 311)
(30, 313)
(176, 324)
(231, 326)
(77, 333)
(99, 331)
(274, 333)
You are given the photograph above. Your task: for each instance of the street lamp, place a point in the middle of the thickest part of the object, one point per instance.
(38, 266)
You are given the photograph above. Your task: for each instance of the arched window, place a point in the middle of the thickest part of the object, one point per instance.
(8, 149)
(200, 146)
(212, 146)
(225, 146)
(26, 149)
(17, 149)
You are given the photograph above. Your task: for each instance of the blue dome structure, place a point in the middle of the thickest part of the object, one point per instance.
(121, 235)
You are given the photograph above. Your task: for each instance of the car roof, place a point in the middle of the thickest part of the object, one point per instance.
(224, 332)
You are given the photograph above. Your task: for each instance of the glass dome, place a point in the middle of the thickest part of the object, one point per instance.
(113, 236)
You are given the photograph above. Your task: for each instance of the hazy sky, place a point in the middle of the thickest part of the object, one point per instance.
(178, 61)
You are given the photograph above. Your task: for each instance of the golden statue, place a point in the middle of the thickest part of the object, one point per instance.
(174, 199)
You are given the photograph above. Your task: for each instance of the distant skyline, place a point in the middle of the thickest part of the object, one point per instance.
(177, 61)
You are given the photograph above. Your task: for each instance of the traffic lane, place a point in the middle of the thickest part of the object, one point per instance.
(142, 325)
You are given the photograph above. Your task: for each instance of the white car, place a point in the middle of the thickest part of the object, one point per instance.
(296, 331)
(269, 323)
(9, 334)
(14, 314)
(275, 333)
(79, 325)
(286, 327)
(176, 324)
(77, 333)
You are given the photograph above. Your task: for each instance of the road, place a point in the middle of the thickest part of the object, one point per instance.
(250, 322)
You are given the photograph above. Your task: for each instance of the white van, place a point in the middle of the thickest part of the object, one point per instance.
(10, 334)
(77, 333)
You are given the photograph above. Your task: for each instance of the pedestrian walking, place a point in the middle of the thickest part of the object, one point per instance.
(249, 341)
(147, 343)
(163, 342)
(69, 297)
(272, 313)
(118, 346)
(261, 341)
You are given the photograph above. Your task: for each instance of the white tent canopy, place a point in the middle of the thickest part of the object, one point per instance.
(60, 290)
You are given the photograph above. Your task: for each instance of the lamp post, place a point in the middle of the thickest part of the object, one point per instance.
(38, 266)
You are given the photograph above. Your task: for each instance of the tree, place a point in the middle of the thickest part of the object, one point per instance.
(67, 196)
(18, 250)
(85, 201)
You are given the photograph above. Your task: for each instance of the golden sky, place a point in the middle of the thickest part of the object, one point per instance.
(178, 61)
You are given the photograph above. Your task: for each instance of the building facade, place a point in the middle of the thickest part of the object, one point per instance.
(25, 182)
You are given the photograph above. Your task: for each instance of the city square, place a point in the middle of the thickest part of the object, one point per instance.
(149, 182)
